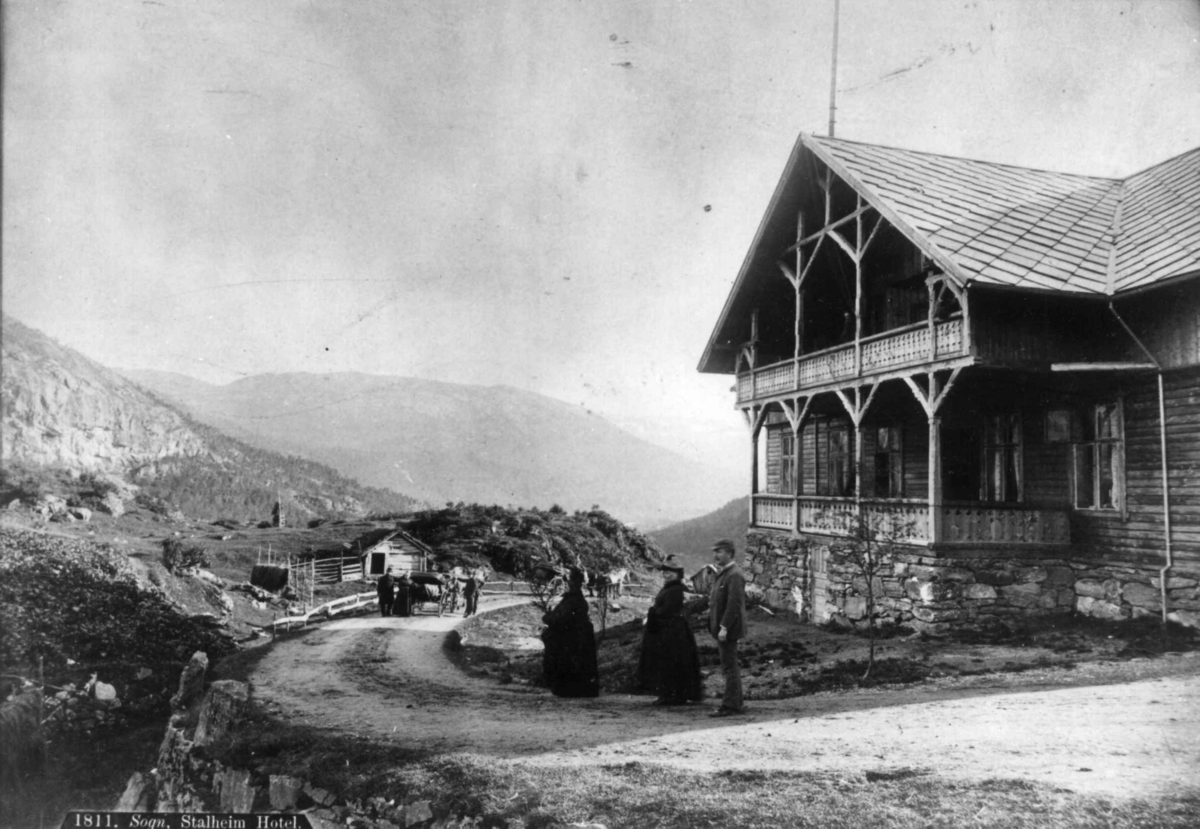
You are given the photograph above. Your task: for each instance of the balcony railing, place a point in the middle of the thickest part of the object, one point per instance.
(882, 352)
(908, 521)
(990, 524)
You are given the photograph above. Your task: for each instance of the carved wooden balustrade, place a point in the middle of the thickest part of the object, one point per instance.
(993, 524)
(908, 521)
(880, 353)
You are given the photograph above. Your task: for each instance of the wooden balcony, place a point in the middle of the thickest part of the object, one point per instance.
(958, 525)
(904, 347)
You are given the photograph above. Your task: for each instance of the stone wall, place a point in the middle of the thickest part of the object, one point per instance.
(937, 594)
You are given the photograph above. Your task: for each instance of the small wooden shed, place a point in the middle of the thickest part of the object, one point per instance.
(398, 550)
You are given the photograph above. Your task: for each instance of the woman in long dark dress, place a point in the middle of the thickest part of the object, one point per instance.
(570, 640)
(670, 664)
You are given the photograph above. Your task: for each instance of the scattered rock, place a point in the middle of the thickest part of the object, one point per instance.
(237, 795)
(284, 791)
(417, 812)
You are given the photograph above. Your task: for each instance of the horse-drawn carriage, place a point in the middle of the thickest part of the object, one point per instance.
(431, 592)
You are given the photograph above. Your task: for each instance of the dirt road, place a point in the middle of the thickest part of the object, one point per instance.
(391, 679)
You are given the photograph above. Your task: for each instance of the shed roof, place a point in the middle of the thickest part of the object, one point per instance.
(398, 538)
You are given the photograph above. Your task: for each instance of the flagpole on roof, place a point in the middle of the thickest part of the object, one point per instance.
(833, 70)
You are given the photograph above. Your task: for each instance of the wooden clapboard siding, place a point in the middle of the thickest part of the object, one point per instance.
(1017, 329)
(1046, 465)
(1168, 322)
(1138, 538)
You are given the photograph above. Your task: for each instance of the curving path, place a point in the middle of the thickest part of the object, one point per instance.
(390, 679)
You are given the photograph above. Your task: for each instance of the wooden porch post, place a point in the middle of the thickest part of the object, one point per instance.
(858, 448)
(799, 288)
(858, 291)
(935, 479)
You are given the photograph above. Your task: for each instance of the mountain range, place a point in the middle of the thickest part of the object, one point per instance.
(62, 413)
(445, 442)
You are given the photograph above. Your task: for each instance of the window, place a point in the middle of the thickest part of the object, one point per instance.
(781, 460)
(835, 463)
(1002, 458)
(889, 463)
(1099, 459)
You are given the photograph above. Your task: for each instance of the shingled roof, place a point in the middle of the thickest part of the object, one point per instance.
(996, 224)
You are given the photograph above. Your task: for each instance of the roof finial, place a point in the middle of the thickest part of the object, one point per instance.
(833, 70)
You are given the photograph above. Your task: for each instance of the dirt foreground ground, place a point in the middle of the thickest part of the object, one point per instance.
(1119, 730)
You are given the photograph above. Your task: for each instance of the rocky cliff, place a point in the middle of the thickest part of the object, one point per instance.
(61, 409)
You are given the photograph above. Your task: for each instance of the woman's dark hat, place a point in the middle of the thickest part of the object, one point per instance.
(671, 565)
(575, 575)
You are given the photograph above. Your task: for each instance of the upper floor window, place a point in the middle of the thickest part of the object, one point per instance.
(1099, 459)
(889, 462)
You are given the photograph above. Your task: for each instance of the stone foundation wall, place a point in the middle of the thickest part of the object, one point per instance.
(937, 594)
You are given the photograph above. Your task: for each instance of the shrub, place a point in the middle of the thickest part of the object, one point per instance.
(178, 557)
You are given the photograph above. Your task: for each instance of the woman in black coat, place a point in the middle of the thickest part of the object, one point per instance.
(670, 664)
(570, 640)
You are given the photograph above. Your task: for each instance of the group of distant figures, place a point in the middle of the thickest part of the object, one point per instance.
(669, 662)
(399, 596)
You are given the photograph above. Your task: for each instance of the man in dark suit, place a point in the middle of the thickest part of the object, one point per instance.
(727, 622)
(386, 589)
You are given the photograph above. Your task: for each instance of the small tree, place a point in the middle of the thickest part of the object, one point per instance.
(871, 547)
(545, 583)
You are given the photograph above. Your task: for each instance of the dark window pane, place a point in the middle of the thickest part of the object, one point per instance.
(1085, 481)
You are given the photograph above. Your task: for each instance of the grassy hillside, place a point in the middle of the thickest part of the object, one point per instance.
(236, 480)
(691, 541)
(449, 442)
(514, 540)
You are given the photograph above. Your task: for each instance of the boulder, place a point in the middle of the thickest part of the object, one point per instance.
(1187, 618)
(222, 709)
(1059, 576)
(138, 795)
(997, 578)
(1142, 595)
(979, 591)
(191, 681)
(321, 797)
(1091, 588)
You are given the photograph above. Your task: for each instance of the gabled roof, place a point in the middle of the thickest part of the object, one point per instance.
(990, 224)
(399, 538)
(1012, 226)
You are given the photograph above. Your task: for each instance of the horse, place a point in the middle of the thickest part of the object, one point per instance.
(607, 584)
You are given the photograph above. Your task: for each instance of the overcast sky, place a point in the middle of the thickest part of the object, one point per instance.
(549, 194)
